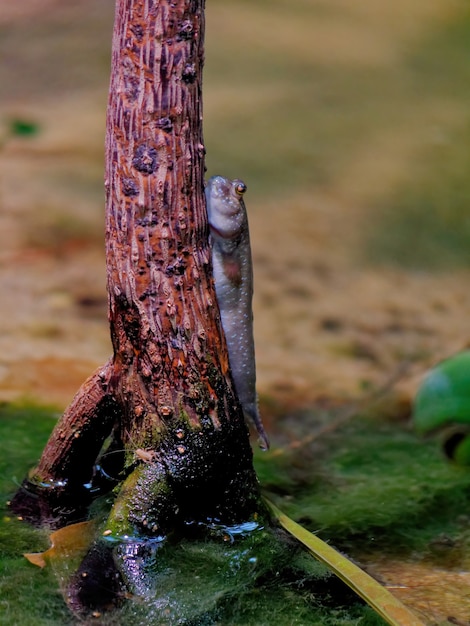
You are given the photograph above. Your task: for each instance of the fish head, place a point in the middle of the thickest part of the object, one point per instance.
(225, 207)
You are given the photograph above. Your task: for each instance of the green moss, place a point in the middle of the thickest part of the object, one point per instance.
(183, 417)
(118, 523)
(371, 485)
(139, 503)
(24, 429)
(261, 578)
(28, 596)
(226, 578)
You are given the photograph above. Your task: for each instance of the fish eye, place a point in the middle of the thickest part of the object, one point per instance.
(240, 187)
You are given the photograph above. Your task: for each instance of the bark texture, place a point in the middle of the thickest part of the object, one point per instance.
(166, 397)
(164, 322)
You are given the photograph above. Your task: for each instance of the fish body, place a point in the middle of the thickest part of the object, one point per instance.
(233, 276)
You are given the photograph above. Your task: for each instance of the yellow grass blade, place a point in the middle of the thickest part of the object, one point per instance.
(381, 600)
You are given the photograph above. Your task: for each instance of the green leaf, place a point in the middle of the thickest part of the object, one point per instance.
(457, 447)
(381, 600)
(444, 396)
(23, 128)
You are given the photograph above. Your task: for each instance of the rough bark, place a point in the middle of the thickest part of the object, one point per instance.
(166, 396)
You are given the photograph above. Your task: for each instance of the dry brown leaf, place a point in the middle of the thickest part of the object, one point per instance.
(64, 542)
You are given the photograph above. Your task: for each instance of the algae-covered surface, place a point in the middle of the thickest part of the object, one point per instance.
(370, 487)
(258, 577)
(349, 122)
(24, 599)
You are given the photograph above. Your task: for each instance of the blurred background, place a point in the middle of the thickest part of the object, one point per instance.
(350, 124)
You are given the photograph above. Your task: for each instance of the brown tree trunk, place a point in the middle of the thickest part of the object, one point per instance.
(166, 397)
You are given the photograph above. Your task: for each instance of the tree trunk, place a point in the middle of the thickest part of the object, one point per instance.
(165, 403)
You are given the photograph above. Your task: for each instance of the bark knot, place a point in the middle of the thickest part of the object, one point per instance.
(145, 159)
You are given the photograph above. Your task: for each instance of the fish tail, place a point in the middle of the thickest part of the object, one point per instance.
(252, 415)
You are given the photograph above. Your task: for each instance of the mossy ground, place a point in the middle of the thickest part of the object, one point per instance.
(28, 596)
(370, 487)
